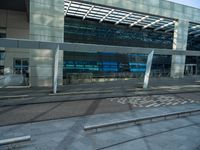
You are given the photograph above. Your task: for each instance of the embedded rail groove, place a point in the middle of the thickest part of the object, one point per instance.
(138, 121)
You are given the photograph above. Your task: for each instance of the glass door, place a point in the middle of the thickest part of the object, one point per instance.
(21, 66)
(191, 69)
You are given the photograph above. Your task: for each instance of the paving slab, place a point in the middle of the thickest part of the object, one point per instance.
(64, 134)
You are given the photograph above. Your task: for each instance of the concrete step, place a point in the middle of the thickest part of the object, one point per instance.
(137, 121)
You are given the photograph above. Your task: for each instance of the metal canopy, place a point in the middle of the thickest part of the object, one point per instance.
(194, 29)
(116, 16)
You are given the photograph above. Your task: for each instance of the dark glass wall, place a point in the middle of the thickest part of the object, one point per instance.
(193, 63)
(2, 35)
(103, 63)
(93, 32)
(161, 66)
(193, 43)
(2, 58)
(2, 55)
(114, 65)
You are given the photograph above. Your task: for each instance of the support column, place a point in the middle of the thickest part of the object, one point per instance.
(46, 24)
(55, 77)
(179, 43)
(148, 70)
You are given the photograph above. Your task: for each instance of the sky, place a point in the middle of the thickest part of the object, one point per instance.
(193, 3)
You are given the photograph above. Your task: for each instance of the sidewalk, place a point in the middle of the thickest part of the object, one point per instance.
(16, 96)
(101, 90)
(69, 134)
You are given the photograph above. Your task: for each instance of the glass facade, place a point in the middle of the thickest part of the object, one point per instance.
(2, 35)
(104, 64)
(119, 65)
(161, 66)
(192, 65)
(2, 52)
(2, 58)
(193, 43)
(93, 32)
(2, 55)
(1, 70)
(21, 66)
(112, 64)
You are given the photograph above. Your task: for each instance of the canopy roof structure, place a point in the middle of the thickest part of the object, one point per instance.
(117, 16)
(194, 29)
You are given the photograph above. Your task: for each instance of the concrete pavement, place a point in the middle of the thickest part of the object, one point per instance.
(56, 122)
(15, 114)
(94, 91)
(68, 134)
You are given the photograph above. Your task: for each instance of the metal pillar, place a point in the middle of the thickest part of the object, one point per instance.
(55, 75)
(148, 69)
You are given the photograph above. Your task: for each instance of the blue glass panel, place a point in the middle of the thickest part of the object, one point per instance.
(137, 64)
(137, 69)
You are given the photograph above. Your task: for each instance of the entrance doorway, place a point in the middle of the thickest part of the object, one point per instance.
(191, 69)
(21, 66)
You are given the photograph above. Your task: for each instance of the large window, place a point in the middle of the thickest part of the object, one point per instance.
(21, 65)
(193, 43)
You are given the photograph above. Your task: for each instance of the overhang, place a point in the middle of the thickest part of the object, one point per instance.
(100, 13)
(89, 48)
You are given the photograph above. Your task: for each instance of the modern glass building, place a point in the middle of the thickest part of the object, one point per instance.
(136, 26)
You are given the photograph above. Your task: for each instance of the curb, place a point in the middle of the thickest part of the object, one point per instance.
(13, 97)
(138, 121)
(135, 92)
(82, 99)
(79, 93)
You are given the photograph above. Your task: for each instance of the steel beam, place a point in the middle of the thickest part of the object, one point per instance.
(155, 22)
(126, 16)
(110, 12)
(138, 21)
(89, 48)
(163, 26)
(55, 76)
(88, 12)
(148, 69)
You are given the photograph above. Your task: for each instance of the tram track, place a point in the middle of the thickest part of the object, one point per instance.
(32, 100)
